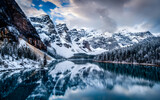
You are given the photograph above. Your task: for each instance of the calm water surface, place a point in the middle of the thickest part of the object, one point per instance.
(81, 80)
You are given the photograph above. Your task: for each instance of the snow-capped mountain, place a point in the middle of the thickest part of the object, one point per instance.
(61, 40)
(125, 38)
(44, 24)
(66, 42)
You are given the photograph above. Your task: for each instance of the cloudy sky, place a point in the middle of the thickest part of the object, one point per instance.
(104, 15)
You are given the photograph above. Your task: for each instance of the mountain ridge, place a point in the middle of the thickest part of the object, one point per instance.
(76, 41)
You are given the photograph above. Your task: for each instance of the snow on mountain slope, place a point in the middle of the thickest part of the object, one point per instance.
(125, 38)
(44, 26)
(9, 64)
(61, 40)
(65, 42)
(38, 52)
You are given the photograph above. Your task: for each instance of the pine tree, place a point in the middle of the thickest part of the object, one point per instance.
(44, 60)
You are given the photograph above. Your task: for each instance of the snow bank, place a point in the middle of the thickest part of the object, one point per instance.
(9, 64)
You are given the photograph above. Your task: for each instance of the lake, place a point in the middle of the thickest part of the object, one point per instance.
(81, 80)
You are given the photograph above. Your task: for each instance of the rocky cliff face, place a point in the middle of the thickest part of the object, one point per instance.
(63, 31)
(12, 15)
(108, 43)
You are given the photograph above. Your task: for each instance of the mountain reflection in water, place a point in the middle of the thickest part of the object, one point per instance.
(82, 81)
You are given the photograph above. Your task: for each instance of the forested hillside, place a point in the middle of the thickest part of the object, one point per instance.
(147, 51)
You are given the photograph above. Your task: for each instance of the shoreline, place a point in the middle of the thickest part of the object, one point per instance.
(114, 62)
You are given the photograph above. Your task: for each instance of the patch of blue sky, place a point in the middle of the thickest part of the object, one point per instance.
(57, 18)
(65, 4)
(46, 6)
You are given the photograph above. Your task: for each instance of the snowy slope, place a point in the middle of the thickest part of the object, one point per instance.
(10, 64)
(14, 61)
(38, 52)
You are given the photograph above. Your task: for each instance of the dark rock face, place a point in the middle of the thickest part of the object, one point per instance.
(12, 15)
(2, 22)
(64, 32)
(86, 45)
(62, 28)
(105, 43)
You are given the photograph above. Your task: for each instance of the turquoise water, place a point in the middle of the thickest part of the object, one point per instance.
(82, 80)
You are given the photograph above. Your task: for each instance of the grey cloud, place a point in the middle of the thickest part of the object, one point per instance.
(121, 12)
(107, 15)
(99, 12)
(147, 11)
(109, 3)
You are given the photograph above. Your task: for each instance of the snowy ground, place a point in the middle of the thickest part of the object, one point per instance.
(10, 64)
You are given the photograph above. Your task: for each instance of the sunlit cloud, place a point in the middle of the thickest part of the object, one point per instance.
(104, 15)
(28, 8)
(40, 5)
